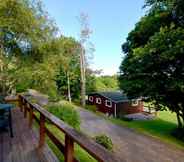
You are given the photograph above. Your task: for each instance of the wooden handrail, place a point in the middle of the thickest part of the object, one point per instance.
(71, 135)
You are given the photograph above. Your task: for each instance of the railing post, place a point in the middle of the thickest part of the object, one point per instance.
(100, 161)
(30, 116)
(69, 149)
(20, 104)
(42, 131)
(25, 109)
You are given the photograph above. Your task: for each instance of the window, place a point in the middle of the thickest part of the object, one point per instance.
(98, 100)
(91, 98)
(134, 102)
(108, 103)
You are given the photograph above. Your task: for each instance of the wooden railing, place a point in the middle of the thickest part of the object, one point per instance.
(71, 135)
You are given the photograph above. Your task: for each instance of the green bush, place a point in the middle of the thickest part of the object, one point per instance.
(92, 108)
(21, 88)
(105, 141)
(66, 112)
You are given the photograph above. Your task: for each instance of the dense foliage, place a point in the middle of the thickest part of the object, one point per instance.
(32, 55)
(106, 83)
(24, 27)
(154, 62)
(102, 83)
(105, 141)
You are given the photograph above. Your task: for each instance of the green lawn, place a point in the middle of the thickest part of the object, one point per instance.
(159, 128)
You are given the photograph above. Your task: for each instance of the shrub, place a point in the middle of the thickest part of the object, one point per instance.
(21, 88)
(66, 112)
(105, 141)
(92, 108)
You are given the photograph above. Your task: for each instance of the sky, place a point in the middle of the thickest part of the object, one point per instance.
(110, 21)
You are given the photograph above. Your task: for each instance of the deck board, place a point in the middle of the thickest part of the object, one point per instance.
(23, 147)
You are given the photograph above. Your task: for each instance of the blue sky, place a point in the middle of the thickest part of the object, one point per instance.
(110, 20)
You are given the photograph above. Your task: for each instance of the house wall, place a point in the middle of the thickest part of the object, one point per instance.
(101, 107)
(121, 108)
(127, 108)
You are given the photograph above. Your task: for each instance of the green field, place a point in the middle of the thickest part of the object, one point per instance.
(160, 128)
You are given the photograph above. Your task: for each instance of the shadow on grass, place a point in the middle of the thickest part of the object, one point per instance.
(158, 128)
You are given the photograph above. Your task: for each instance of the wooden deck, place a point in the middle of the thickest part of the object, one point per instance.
(26, 147)
(23, 147)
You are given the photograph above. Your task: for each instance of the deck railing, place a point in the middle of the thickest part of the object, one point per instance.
(71, 135)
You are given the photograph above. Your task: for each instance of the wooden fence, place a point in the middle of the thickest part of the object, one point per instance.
(71, 135)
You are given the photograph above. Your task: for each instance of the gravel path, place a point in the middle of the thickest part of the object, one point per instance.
(128, 144)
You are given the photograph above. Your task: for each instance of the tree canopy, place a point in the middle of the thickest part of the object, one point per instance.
(33, 55)
(23, 26)
(154, 63)
(31, 52)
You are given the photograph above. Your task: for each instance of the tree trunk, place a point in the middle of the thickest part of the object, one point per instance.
(183, 120)
(83, 78)
(68, 83)
(179, 120)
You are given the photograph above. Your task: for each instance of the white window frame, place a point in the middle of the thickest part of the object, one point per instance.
(134, 102)
(91, 98)
(108, 103)
(98, 100)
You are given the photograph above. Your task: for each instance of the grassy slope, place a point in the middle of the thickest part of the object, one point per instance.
(160, 127)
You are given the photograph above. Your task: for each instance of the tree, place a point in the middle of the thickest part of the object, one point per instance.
(72, 62)
(24, 26)
(106, 83)
(154, 67)
(175, 7)
(62, 85)
(84, 37)
(28, 37)
(68, 75)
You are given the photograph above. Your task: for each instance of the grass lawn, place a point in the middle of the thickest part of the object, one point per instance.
(161, 127)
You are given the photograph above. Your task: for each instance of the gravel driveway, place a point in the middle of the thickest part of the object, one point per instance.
(128, 144)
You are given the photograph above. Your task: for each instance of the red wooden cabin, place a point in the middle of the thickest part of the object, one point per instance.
(115, 103)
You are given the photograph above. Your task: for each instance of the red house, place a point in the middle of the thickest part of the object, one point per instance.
(115, 103)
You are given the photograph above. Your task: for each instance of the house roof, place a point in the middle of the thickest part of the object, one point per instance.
(116, 96)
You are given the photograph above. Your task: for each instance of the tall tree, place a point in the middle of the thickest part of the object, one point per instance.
(24, 25)
(84, 40)
(154, 63)
(69, 68)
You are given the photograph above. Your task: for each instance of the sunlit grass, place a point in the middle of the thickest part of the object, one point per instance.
(160, 127)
